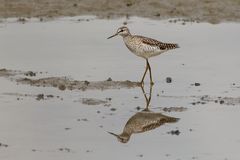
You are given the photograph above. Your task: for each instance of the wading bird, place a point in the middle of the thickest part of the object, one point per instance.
(143, 47)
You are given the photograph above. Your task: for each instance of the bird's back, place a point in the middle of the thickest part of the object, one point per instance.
(147, 47)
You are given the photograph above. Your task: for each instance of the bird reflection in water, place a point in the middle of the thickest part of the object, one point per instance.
(143, 121)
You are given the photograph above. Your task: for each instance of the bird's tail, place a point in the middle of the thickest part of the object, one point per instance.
(172, 46)
(168, 46)
(171, 119)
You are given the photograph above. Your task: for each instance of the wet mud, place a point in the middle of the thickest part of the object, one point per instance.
(6, 73)
(213, 11)
(21, 96)
(231, 101)
(93, 101)
(174, 132)
(63, 83)
(3, 145)
(174, 109)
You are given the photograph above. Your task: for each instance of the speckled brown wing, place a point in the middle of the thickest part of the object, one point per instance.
(160, 45)
(153, 125)
(149, 41)
(156, 123)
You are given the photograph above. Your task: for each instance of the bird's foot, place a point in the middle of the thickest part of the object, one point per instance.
(141, 84)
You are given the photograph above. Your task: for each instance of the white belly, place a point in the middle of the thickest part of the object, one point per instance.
(144, 51)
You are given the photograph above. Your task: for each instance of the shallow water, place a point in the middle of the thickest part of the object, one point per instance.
(64, 128)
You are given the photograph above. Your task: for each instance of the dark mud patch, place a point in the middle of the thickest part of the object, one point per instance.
(62, 149)
(174, 132)
(196, 84)
(6, 73)
(174, 109)
(168, 80)
(93, 101)
(41, 96)
(63, 83)
(113, 109)
(140, 155)
(83, 119)
(220, 100)
(201, 100)
(30, 73)
(65, 149)
(3, 145)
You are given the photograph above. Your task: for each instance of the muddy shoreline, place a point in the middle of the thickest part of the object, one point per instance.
(63, 83)
(212, 11)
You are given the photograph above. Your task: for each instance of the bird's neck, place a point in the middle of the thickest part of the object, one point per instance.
(128, 130)
(127, 35)
(125, 134)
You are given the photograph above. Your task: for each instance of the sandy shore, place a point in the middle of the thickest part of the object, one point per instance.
(213, 11)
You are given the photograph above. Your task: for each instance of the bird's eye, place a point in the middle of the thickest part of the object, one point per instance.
(120, 31)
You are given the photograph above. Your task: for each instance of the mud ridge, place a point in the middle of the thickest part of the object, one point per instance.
(63, 83)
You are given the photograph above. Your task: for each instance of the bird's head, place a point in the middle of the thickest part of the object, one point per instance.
(123, 138)
(122, 31)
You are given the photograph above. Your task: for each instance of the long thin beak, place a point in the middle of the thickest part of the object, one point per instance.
(113, 134)
(112, 36)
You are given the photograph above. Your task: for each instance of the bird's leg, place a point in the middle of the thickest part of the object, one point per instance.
(148, 99)
(144, 72)
(150, 72)
(145, 96)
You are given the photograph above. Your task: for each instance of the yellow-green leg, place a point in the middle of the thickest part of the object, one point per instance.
(144, 72)
(150, 72)
(148, 99)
